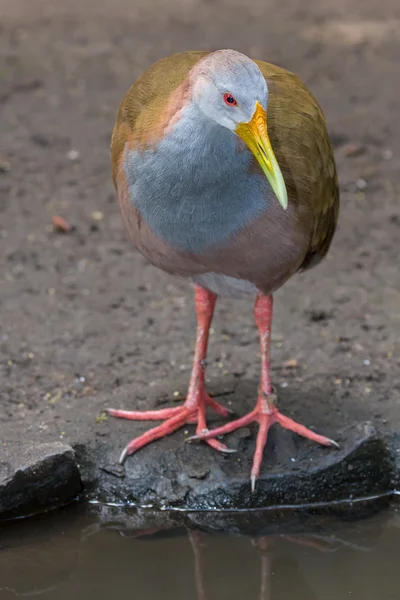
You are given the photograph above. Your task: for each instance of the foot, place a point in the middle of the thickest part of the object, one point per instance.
(193, 411)
(265, 414)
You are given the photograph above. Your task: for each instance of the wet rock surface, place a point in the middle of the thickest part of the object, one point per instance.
(35, 478)
(294, 473)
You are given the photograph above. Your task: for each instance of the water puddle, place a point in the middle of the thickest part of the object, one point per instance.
(73, 554)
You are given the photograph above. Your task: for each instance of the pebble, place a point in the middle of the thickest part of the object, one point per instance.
(73, 155)
(387, 154)
(361, 184)
(291, 363)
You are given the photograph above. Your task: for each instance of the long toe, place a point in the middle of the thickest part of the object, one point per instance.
(224, 429)
(265, 422)
(221, 410)
(304, 431)
(145, 415)
(156, 433)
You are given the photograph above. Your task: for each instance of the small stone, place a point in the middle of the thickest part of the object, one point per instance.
(198, 473)
(361, 184)
(97, 215)
(116, 470)
(73, 155)
(292, 363)
(387, 154)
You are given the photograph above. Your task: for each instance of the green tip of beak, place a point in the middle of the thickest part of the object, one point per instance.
(269, 165)
(279, 187)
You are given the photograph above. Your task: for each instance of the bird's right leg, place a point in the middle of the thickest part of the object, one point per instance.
(197, 399)
(265, 412)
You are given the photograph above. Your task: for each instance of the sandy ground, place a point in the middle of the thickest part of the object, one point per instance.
(85, 322)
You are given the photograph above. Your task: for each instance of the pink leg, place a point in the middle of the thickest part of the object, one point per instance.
(197, 399)
(265, 412)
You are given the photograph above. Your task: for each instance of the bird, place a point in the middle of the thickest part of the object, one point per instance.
(225, 175)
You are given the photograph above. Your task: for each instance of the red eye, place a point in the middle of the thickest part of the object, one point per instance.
(229, 100)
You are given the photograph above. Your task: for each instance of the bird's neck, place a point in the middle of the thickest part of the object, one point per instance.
(194, 188)
(205, 144)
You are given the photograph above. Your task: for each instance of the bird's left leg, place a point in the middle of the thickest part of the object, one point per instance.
(265, 412)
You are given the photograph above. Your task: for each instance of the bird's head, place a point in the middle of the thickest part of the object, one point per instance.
(230, 89)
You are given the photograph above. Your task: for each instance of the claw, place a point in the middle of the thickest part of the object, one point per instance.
(334, 444)
(123, 455)
(212, 442)
(193, 438)
(228, 451)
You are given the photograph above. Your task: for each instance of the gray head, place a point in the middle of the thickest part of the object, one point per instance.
(227, 86)
(229, 89)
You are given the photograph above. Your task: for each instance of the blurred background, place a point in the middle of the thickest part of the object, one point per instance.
(84, 320)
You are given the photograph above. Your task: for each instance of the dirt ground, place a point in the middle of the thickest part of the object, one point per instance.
(85, 322)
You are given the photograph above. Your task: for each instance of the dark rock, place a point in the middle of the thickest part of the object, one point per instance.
(295, 474)
(116, 470)
(37, 477)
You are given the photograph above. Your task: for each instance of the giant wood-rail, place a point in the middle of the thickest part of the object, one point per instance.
(225, 175)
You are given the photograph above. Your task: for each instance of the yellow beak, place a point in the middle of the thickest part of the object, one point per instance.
(255, 135)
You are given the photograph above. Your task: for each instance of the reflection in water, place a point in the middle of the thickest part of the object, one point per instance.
(59, 558)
